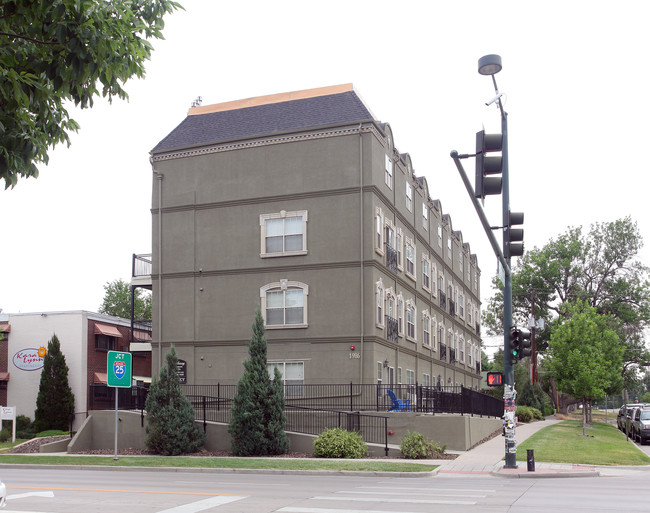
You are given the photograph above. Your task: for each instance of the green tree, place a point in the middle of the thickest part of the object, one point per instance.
(171, 429)
(258, 420)
(55, 400)
(585, 355)
(117, 301)
(53, 51)
(600, 267)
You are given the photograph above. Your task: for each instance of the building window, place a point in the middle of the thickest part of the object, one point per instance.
(439, 236)
(105, 342)
(462, 349)
(293, 376)
(426, 328)
(284, 304)
(389, 172)
(379, 231)
(380, 372)
(399, 242)
(434, 331)
(426, 272)
(283, 234)
(449, 248)
(400, 315)
(410, 258)
(410, 377)
(426, 380)
(380, 304)
(425, 216)
(409, 197)
(399, 375)
(469, 273)
(410, 320)
(460, 262)
(461, 306)
(434, 274)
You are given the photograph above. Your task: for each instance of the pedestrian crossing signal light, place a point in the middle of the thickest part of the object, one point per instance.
(494, 379)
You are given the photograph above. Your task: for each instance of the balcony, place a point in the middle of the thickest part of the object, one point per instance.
(443, 301)
(141, 329)
(452, 355)
(141, 268)
(391, 258)
(443, 352)
(392, 328)
(452, 308)
(478, 329)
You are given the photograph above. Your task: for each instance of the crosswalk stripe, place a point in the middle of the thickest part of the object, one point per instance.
(202, 505)
(399, 501)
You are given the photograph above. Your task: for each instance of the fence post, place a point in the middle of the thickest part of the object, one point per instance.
(205, 424)
(386, 435)
(351, 396)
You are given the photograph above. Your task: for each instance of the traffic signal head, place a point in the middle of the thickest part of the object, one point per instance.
(484, 183)
(520, 343)
(515, 236)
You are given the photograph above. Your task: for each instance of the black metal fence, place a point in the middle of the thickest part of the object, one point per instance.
(102, 397)
(214, 400)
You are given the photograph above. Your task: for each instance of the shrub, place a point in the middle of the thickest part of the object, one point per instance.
(524, 413)
(5, 435)
(339, 443)
(416, 446)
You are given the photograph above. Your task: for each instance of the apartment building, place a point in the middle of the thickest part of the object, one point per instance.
(300, 204)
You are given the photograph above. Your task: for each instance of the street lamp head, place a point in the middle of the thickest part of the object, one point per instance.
(489, 64)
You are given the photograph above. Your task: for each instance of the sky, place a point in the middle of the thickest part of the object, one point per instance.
(576, 88)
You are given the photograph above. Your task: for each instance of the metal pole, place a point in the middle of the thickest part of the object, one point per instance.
(116, 421)
(509, 393)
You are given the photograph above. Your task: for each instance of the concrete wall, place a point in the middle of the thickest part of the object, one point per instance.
(456, 432)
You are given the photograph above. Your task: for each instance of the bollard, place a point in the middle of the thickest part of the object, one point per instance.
(530, 457)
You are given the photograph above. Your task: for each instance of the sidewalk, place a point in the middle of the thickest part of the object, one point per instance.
(487, 458)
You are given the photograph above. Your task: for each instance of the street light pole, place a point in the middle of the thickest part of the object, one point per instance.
(491, 65)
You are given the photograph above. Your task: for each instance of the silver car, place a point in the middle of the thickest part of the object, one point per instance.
(3, 495)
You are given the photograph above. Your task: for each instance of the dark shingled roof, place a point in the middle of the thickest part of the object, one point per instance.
(264, 120)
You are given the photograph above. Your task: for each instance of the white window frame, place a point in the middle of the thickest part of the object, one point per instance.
(408, 243)
(400, 315)
(379, 231)
(425, 216)
(426, 273)
(409, 197)
(389, 172)
(426, 379)
(295, 388)
(379, 308)
(410, 377)
(380, 373)
(461, 305)
(461, 348)
(434, 279)
(434, 333)
(426, 328)
(399, 375)
(283, 214)
(411, 321)
(449, 253)
(399, 242)
(284, 285)
(439, 236)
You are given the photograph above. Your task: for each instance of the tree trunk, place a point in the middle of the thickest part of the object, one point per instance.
(584, 417)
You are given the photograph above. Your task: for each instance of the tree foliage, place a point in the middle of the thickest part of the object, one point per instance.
(258, 420)
(600, 267)
(117, 301)
(171, 429)
(53, 51)
(55, 400)
(585, 355)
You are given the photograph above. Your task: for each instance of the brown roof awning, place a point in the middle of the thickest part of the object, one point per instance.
(5, 327)
(100, 378)
(4, 376)
(105, 329)
(142, 336)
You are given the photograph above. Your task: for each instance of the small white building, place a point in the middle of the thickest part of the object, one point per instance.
(85, 339)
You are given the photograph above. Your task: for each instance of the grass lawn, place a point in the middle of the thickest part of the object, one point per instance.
(564, 443)
(206, 462)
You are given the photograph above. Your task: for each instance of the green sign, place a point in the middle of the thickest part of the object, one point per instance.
(119, 369)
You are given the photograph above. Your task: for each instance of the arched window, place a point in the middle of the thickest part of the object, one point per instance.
(284, 304)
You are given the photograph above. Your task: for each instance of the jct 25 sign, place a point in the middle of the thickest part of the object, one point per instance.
(29, 359)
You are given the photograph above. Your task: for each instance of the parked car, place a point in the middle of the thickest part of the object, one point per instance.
(620, 418)
(629, 418)
(3, 495)
(641, 425)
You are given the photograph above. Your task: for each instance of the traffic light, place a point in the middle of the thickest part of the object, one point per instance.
(514, 236)
(487, 185)
(520, 343)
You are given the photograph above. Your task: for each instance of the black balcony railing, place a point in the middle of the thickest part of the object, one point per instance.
(391, 258)
(443, 301)
(392, 329)
(478, 329)
(452, 355)
(478, 368)
(452, 307)
(443, 352)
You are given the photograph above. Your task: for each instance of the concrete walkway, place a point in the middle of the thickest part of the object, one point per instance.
(487, 458)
